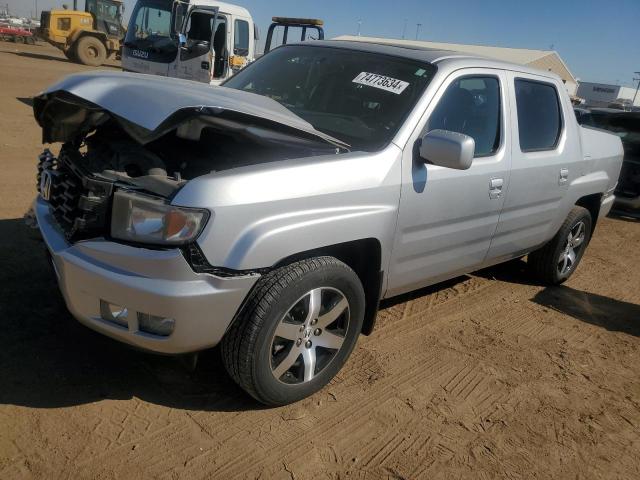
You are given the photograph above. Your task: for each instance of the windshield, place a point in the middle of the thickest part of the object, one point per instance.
(108, 15)
(358, 97)
(150, 28)
(104, 10)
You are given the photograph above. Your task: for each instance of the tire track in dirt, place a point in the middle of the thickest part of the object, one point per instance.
(356, 412)
(462, 381)
(467, 388)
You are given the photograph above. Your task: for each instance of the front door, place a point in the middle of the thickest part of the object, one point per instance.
(448, 217)
(196, 57)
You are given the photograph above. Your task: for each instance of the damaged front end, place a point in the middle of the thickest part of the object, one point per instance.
(79, 201)
(149, 136)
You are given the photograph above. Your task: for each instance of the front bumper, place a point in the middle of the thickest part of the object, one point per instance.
(155, 282)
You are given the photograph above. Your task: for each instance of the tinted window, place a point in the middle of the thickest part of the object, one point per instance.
(103, 10)
(539, 120)
(471, 105)
(241, 38)
(358, 97)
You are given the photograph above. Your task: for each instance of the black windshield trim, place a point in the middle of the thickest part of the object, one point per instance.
(429, 67)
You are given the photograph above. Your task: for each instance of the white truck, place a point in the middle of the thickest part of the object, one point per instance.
(202, 40)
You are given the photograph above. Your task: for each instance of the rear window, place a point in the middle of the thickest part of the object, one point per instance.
(539, 117)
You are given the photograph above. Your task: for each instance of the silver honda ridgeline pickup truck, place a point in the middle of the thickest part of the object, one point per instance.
(272, 214)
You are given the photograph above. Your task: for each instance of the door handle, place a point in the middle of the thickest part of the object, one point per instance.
(495, 188)
(564, 176)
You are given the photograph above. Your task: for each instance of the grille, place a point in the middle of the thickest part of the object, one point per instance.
(64, 189)
(78, 202)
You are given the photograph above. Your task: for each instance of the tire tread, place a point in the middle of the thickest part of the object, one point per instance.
(238, 343)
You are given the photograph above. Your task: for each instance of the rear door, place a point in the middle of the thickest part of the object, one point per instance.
(447, 217)
(544, 163)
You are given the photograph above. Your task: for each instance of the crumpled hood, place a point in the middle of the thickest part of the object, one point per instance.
(150, 106)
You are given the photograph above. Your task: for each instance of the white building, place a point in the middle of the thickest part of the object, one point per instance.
(542, 59)
(603, 95)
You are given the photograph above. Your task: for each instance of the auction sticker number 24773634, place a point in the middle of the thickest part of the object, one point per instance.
(389, 84)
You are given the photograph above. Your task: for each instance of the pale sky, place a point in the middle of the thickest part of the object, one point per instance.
(597, 39)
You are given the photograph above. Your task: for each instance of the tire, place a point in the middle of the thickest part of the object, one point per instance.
(278, 370)
(90, 51)
(70, 54)
(30, 41)
(555, 262)
(18, 39)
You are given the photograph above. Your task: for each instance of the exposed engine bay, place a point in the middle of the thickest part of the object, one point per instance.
(144, 134)
(164, 165)
(80, 181)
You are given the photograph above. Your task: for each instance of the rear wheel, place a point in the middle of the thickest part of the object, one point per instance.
(18, 39)
(557, 260)
(91, 51)
(296, 330)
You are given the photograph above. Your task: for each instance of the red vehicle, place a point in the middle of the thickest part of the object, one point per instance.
(17, 35)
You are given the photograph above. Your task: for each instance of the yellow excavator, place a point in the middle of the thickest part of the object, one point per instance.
(88, 37)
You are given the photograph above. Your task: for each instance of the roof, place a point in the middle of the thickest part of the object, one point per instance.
(423, 54)
(521, 56)
(515, 55)
(420, 54)
(223, 7)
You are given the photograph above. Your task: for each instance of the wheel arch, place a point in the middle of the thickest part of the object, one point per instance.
(364, 256)
(592, 204)
(88, 33)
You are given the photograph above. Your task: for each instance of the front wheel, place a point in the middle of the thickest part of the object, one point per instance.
(91, 51)
(557, 260)
(296, 331)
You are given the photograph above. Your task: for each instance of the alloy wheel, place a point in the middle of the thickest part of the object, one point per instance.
(310, 335)
(572, 247)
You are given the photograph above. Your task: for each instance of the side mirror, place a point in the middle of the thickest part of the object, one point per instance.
(448, 149)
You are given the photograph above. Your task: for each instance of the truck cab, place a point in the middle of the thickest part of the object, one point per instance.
(202, 40)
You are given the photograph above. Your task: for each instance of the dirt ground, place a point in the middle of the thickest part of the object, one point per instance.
(486, 376)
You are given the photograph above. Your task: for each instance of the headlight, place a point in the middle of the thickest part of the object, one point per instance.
(146, 219)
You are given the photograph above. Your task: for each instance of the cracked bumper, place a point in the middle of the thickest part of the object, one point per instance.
(155, 282)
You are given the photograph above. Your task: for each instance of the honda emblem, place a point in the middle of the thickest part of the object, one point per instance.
(45, 185)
